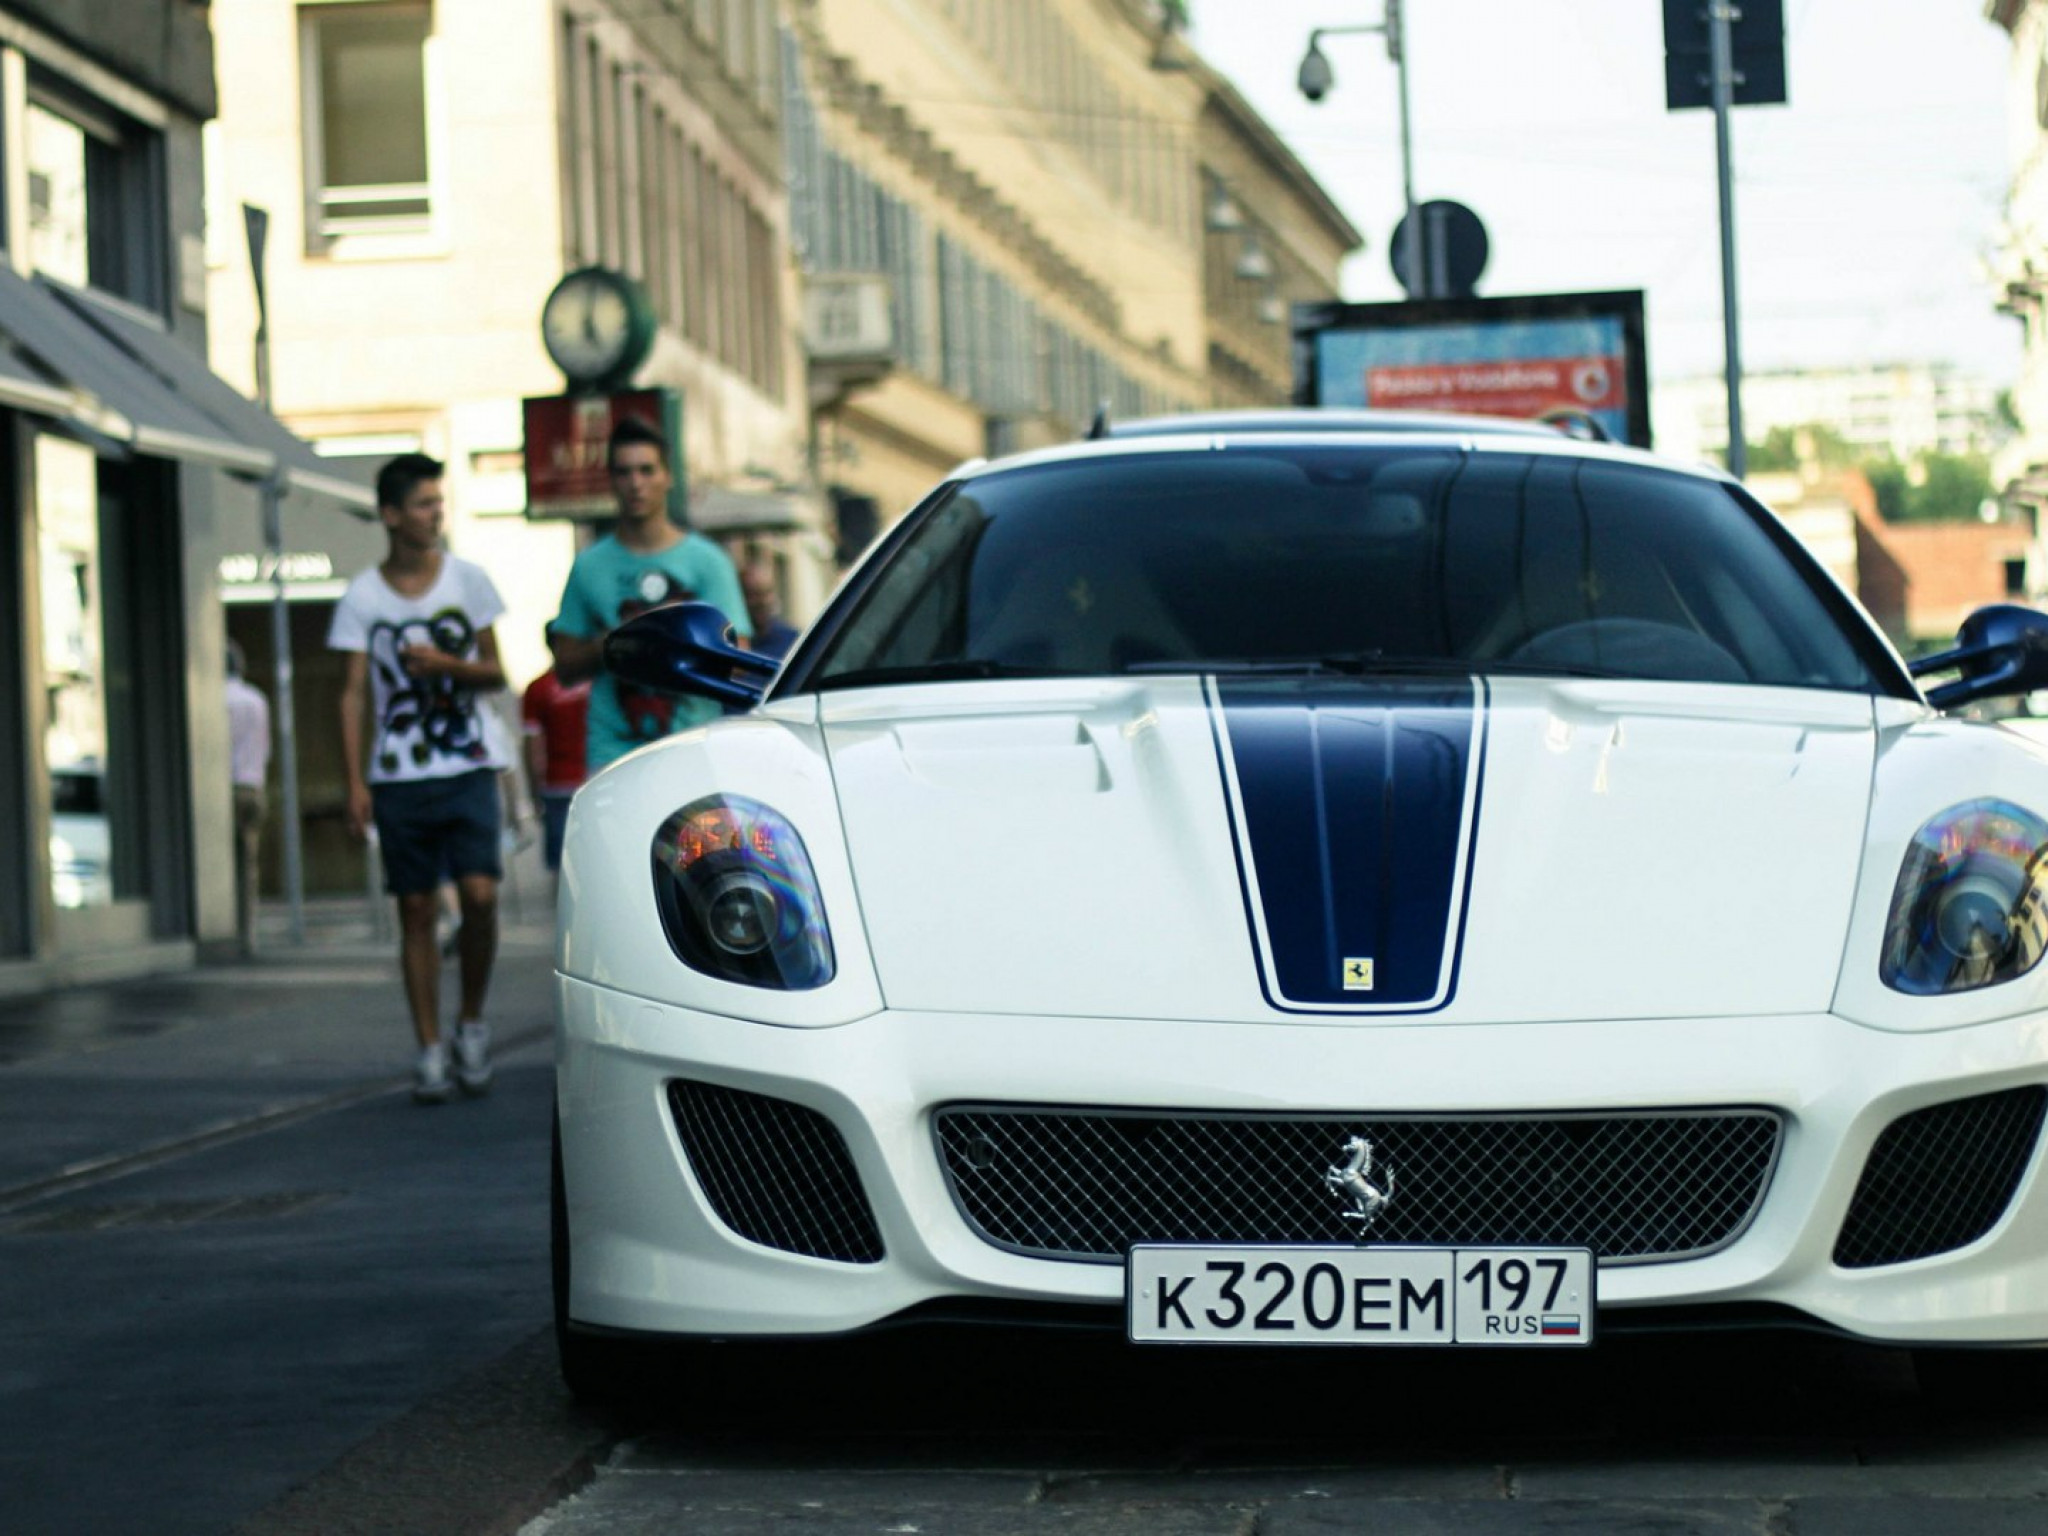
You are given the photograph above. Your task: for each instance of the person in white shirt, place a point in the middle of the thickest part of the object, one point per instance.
(248, 768)
(422, 765)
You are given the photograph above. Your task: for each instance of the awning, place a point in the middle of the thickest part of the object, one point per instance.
(722, 509)
(185, 373)
(114, 375)
(25, 387)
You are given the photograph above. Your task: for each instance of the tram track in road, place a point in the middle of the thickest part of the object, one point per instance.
(108, 1167)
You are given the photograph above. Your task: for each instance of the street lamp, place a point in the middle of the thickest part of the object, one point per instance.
(1315, 79)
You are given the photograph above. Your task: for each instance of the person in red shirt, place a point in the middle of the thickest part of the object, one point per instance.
(554, 713)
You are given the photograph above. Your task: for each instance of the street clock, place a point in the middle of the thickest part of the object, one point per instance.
(598, 326)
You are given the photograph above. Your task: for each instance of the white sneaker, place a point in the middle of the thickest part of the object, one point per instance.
(430, 1083)
(473, 1056)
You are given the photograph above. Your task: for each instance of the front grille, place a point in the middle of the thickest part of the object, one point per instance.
(1940, 1178)
(1088, 1183)
(775, 1172)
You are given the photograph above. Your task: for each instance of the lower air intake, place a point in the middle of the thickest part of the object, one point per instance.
(1086, 1184)
(777, 1173)
(1940, 1178)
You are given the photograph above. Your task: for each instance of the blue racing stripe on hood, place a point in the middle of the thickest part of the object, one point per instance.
(1352, 801)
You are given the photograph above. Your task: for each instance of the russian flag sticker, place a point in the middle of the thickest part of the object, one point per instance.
(1560, 1325)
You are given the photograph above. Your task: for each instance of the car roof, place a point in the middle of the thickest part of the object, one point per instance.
(1207, 430)
(1325, 419)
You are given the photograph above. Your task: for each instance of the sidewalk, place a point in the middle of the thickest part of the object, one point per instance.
(101, 1077)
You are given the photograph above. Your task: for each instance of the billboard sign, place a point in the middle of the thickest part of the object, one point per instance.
(566, 439)
(1519, 357)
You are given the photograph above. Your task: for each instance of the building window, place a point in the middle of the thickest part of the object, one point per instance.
(734, 39)
(56, 196)
(579, 148)
(632, 252)
(690, 205)
(767, 52)
(92, 198)
(365, 115)
(611, 215)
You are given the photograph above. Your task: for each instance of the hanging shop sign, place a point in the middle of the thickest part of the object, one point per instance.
(566, 440)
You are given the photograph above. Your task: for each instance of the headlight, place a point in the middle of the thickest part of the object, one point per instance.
(738, 898)
(1971, 905)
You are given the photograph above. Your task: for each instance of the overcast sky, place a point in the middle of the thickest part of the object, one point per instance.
(1864, 207)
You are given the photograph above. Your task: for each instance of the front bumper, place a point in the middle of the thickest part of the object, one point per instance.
(651, 1256)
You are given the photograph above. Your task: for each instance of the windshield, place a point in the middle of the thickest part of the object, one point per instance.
(1273, 557)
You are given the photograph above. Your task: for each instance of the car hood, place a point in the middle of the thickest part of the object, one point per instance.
(1360, 850)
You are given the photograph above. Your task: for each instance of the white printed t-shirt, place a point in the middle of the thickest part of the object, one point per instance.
(422, 727)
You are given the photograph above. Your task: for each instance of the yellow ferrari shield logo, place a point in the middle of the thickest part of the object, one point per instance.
(1358, 974)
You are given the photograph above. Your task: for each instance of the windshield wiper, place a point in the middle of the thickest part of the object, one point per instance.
(953, 669)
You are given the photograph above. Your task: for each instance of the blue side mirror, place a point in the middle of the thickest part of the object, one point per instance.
(2002, 649)
(688, 648)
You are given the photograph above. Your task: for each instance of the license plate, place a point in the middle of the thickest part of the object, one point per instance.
(1201, 1294)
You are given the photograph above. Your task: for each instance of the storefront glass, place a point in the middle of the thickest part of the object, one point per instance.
(74, 673)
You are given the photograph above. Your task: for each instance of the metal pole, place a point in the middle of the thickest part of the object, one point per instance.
(1720, 13)
(287, 726)
(257, 222)
(1419, 285)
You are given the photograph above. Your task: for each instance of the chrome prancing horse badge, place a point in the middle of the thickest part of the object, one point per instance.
(1352, 1181)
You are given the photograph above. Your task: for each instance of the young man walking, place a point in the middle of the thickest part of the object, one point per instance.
(645, 562)
(422, 766)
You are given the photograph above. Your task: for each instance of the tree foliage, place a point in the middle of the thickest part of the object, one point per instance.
(1935, 488)
(1953, 487)
(1887, 477)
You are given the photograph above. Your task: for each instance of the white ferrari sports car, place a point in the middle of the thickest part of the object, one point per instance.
(1309, 878)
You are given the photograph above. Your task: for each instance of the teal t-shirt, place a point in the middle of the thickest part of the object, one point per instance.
(609, 584)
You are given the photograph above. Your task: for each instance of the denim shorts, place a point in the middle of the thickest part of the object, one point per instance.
(431, 830)
(554, 810)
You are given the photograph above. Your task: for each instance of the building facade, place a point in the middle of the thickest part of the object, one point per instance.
(1271, 239)
(120, 453)
(879, 237)
(1063, 211)
(1919, 581)
(1902, 411)
(2019, 259)
(431, 169)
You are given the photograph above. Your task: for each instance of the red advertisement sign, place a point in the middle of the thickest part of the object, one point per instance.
(566, 437)
(1523, 386)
